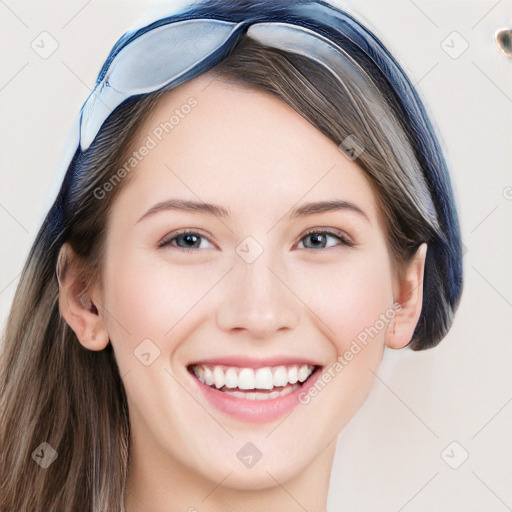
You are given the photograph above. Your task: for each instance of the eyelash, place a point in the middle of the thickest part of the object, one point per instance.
(336, 234)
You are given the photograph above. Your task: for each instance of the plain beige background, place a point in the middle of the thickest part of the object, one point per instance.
(428, 410)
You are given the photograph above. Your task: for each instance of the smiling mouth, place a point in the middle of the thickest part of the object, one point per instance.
(266, 383)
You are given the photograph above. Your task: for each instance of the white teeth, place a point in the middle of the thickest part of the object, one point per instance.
(208, 377)
(218, 376)
(304, 372)
(293, 375)
(259, 395)
(280, 376)
(231, 378)
(266, 378)
(263, 379)
(246, 378)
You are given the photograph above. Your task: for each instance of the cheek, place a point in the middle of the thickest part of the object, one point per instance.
(146, 298)
(353, 302)
(349, 296)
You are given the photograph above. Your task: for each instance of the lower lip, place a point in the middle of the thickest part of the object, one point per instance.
(254, 411)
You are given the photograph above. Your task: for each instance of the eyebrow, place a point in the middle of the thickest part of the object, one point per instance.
(221, 212)
(326, 206)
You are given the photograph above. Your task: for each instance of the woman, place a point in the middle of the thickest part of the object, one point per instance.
(256, 206)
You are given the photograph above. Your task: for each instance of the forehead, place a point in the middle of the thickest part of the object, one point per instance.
(242, 148)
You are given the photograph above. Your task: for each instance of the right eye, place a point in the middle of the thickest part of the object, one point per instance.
(191, 240)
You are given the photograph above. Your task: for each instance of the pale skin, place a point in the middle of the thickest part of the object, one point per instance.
(247, 151)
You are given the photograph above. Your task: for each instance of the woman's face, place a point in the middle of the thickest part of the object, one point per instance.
(238, 294)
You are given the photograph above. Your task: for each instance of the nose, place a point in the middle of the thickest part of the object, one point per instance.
(258, 299)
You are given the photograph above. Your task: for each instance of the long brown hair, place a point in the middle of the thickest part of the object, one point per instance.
(52, 389)
(55, 391)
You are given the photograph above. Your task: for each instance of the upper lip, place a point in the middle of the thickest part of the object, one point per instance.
(248, 362)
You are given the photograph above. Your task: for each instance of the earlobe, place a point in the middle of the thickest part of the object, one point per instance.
(77, 306)
(410, 299)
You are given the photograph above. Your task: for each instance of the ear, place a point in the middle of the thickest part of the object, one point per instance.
(409, 296)
(76, 304)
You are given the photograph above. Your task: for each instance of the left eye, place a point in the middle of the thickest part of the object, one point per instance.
(319, 239)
